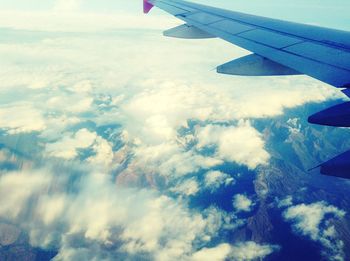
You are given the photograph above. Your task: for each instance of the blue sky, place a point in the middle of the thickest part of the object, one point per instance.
(330, 13)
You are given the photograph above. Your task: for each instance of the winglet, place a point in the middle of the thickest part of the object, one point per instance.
(147, 6)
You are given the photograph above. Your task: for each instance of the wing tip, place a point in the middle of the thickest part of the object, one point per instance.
(147, 6)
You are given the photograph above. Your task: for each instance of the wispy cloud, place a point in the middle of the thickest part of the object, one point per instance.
(214, 179)
(314, 221)
(239, 252)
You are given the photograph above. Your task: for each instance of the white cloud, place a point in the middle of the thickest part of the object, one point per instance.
(218, 253)
(170, 160)
(309, 217)
(242, 203)
(189, 187)
(98, 216)
(21, 118)
(63, 75)
(313, 221)
(104, 154)
(215, 179)
(56, 125)
(33, 78)
(239, 252)
(293, 94)
(64, 18)
(286, 202)
(77, 103)
(51, 208)
(17, 188)
(68, 147)
(251, 251)
(241, 144)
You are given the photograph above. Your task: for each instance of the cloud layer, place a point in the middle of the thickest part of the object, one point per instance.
(124, 133)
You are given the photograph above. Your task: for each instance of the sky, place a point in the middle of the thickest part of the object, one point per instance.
(105, 142)
(327, 13)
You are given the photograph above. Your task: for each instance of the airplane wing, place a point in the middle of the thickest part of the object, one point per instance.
(278, 48)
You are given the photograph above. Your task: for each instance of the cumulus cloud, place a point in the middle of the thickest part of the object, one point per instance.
(314, 221)
(274, 103)
(77, 104)
(242, 203)
(170, 160)
(67, 148)
(251, 250)
(146, 115)
(219, 253)
(240, 252)
(188, 187)
(97, 216)
(285, 202)
(71, 147)
(241, 144)
(27, 119)
(215, 179)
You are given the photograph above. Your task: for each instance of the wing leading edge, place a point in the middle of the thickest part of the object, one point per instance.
(278, 47)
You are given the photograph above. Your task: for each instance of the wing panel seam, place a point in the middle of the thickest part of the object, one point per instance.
(336, 46)
(203, 27)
